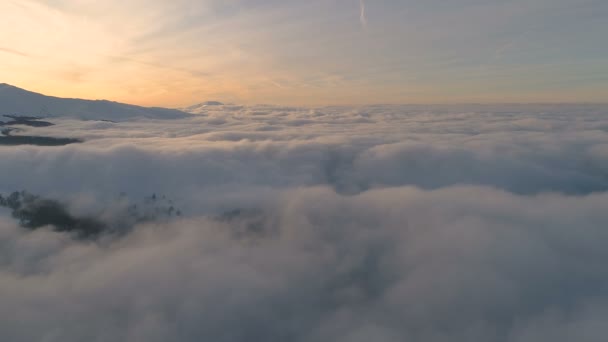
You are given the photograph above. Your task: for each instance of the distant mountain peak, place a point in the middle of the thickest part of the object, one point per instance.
(205, 104)
(213, 103)
(201, 107)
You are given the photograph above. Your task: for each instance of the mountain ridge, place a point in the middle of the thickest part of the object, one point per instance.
(18, 101)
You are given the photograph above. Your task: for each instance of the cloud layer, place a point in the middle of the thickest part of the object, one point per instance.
(382, 223)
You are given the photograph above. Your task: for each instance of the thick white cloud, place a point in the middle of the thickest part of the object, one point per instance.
(336, 224)
(455, 264)
(525, 150)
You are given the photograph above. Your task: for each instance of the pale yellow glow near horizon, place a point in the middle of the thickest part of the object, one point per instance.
(69, 55)
(177, 53)
(72, 55)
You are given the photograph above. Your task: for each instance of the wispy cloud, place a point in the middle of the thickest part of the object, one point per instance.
(185, 51)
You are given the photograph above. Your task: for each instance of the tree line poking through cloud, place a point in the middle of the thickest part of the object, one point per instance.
(35, 212)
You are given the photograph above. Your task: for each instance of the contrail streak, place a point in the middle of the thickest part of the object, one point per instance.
(14, 52)
(363, 17)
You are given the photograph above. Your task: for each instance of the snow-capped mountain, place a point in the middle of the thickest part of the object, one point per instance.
(17, 101)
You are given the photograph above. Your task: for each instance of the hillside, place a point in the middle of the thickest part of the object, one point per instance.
(17, 101)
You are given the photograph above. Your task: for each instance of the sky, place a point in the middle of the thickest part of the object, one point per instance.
(315, 52)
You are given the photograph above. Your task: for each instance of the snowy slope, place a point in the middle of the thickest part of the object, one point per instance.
(17, 101)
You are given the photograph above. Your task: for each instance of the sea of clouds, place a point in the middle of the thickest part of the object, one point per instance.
(378, 223)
